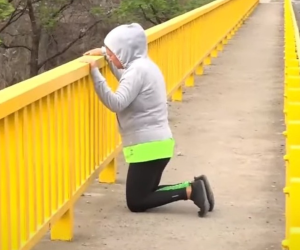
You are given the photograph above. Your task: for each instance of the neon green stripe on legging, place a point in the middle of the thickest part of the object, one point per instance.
(175, 187)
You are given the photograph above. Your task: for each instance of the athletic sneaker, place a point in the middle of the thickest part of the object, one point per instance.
(199, 197)
(210, 194)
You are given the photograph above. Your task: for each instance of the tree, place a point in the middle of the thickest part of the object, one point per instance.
(156, 11)
(5, 9)
(37, 35)
(152, 11)
(42, 17)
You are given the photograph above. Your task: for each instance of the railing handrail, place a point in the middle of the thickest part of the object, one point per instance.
(56, 137)
(296, 29)
(26, 92)
(291, 110)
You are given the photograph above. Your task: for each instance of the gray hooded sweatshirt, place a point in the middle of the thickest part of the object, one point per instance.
(140, 100)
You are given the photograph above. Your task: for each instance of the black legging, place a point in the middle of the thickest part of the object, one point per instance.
(142, 187)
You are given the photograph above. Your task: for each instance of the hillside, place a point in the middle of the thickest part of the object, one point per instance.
(38, 35)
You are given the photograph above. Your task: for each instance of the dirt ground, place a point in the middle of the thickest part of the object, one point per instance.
(228, 127)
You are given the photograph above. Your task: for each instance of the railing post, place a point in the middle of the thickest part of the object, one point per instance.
(108, 174)
(73, 155)
(220, 46)
(294, 194)
(207, 60)
(292, 75)
(229, 36)
(240, 24)
(214, 53)
(235, 29)
(189, 82)
(199, 70)
(292, 188)
(232, 32)
(177, 95)
(294, 241)
(63, 228)
(292, 120)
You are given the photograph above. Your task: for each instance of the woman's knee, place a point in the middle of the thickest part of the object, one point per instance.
(135, 206)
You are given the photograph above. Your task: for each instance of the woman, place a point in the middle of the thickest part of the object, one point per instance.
(140, 104)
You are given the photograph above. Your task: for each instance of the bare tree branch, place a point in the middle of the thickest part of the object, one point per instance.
(5, 46)
(15, 15)
(146, 17)
(166, 16)
(59, 13)
(62, 8)
(53, 40)
(69, 45)
(155, 12)
(32, 17)
(36, 35)
(15, 35)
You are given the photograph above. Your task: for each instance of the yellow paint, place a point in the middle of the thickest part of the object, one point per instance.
(63, 228)
(189, 82)
(207, 61)
(214, 53)
(108, 174)
(199, 70)
(177, 96)
(56, 136)
(292, 122)
(220, 47)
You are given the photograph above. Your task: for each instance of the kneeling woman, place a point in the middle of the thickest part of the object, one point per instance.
(140, 103)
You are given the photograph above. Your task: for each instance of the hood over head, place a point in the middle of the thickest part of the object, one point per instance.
(128, 42)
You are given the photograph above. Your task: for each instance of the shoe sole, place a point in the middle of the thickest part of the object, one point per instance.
(209, 192)
(204, 204)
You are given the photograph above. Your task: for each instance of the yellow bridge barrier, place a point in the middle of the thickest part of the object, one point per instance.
(292, 122)
(55, 135)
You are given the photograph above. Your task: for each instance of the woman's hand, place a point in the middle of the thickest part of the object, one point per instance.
(92, 62)
(93, 52)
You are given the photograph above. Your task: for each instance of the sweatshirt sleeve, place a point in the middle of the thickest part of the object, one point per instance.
(127, 91)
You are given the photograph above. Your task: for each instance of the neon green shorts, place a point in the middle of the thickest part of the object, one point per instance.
(149, 151)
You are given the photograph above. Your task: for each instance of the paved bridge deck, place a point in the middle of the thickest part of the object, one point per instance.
(228, 127)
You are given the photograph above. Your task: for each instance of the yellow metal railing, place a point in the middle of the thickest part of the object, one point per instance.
(55, 135)
(292, 122)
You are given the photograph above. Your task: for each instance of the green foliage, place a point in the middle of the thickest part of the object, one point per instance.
(193, 4)
(97, 11)
(49, 12)
(5, 9)
(155, 11)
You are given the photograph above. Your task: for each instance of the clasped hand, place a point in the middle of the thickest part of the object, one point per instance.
(92, 62)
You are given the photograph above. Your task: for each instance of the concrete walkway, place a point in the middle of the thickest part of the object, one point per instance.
(228, 127)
